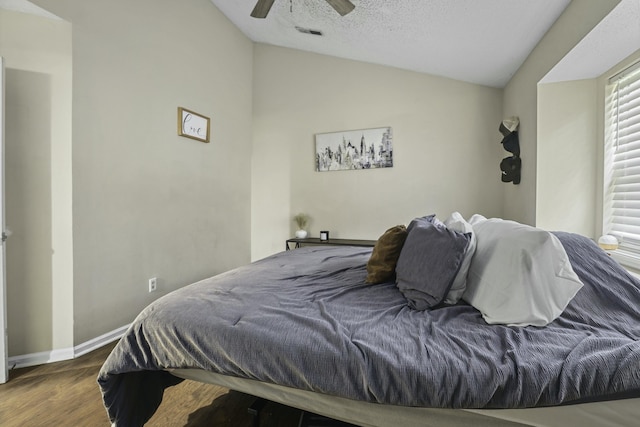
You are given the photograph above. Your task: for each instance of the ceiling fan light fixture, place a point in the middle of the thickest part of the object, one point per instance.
(262, 8)
(342, 6)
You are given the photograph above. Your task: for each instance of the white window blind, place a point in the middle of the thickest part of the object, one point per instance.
(622, 159)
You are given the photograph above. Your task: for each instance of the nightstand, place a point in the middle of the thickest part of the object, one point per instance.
(331, 242)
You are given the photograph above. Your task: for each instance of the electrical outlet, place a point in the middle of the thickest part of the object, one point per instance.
(153, 284)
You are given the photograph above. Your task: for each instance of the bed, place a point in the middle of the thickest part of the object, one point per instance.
(305, 328)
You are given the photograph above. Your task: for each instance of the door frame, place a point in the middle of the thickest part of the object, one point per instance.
(4, 371)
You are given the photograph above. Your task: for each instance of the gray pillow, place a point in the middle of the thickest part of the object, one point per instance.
(429, 261)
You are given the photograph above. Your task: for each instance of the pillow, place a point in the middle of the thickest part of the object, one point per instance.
(457, 223)
(475, 219)
(382, 263)
(519, 275)
(429, 261)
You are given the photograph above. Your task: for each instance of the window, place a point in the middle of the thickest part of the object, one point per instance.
(622, 161)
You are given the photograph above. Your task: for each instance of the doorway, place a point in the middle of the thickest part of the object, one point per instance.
(28, 210)
(39, 287)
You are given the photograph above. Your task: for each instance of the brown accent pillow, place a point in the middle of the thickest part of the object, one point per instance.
(382, 264)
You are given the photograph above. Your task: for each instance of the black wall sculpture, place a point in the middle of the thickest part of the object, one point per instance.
(511, 166)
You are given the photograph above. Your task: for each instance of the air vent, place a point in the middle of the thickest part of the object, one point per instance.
(309, 31)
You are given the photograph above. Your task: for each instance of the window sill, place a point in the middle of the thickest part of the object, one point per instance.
(629, 260)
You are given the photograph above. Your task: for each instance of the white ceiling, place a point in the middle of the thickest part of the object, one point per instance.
(478, 41)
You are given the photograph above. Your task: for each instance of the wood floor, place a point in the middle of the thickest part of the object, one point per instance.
(66, 394)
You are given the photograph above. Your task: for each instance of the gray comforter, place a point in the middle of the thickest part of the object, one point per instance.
(306, 319)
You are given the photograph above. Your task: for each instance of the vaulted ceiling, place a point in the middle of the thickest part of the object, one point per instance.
(478, 41)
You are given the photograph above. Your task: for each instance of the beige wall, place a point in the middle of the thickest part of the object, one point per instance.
(38, 182)
(446, 147)
(520, 98)
(146, 202)
(567, 153)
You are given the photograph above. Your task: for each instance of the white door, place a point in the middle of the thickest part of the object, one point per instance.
(4, 373)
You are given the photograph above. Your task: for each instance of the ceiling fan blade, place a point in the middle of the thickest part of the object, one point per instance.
(341, 6)
(262, 8)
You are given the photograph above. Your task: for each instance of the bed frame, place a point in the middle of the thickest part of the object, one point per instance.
(612, 413)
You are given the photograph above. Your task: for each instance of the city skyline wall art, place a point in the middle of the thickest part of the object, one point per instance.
(354, 149)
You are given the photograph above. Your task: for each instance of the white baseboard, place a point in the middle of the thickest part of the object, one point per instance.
(100, 341)
(60, 355)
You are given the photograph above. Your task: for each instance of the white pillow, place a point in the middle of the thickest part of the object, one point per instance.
(475, 219)
(519, 275)
(457, 223)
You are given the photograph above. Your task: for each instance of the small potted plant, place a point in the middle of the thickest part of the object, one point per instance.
(301, 221)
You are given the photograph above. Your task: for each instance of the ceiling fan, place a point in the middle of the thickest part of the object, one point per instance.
(263, 6)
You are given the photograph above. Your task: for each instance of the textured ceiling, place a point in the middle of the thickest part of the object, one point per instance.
(478, 41)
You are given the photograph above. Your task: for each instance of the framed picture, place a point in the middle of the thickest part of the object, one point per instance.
(193, 125)
(354, 150)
